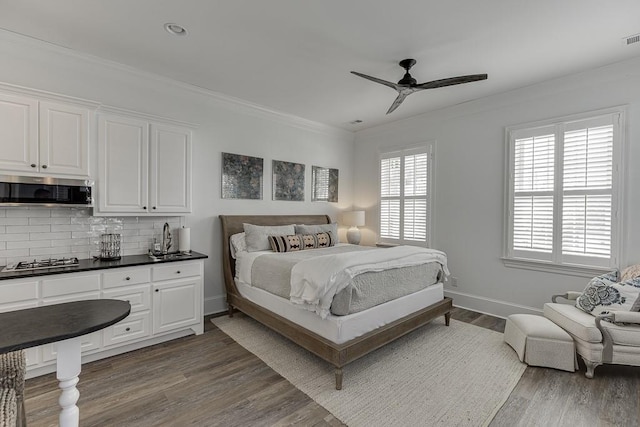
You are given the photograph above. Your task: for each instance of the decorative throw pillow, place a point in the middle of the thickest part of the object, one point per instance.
(318, 228)
(630, 273)
(257, 235)
(299, 242)
(604, 293)
(238, 244)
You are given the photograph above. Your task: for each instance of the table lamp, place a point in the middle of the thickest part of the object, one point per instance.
(353, 219)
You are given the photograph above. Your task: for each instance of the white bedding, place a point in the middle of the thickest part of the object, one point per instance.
(315, 281)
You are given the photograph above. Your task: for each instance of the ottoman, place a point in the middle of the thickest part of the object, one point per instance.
(540, 342)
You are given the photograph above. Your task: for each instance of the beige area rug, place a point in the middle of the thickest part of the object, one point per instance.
(436, 376)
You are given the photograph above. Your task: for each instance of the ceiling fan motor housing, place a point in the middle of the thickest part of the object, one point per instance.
(407, 80)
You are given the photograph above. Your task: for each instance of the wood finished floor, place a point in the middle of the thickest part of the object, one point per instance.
(210, 380)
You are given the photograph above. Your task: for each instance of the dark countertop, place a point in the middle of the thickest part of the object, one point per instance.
(41, 325)
(90, 265)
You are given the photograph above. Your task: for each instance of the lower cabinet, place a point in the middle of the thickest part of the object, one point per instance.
(166, 302)
(174, 304)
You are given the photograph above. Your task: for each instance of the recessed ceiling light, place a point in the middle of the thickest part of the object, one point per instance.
(175, 29)
(355, 122)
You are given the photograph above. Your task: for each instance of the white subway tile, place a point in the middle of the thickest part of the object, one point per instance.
(69, 227)
(14, 237)
(14, 221)
(80, 234)
(28, 229)
(3, 261)
(61, 212)
(30, 212)
(3, 213)
(48, 251)
(140, 251)
(50, 236)
(51, 220)
(14, 253)
(29, 244)
(70, 242)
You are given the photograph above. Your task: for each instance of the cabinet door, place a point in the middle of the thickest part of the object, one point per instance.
(64, 139)
(123, 158)
(170, 165)
(176, 304)
(18, 133)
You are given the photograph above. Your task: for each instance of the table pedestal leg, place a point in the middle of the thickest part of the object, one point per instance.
(67, 373)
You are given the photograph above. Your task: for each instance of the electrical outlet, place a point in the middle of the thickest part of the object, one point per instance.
(454, 282)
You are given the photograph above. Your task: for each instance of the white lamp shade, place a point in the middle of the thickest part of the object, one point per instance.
(353, 218)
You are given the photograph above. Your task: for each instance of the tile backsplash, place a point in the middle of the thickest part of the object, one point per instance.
(38, 233)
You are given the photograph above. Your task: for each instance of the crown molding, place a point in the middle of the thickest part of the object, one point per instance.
(246, 107)
(144, 116)
(50, 96)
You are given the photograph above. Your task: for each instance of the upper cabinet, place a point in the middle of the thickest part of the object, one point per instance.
(43, 137)
(144, 167)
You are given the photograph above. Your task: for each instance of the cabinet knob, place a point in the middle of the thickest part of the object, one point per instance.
(127, 329)
(33, 165)
(127, 278)
(178, 272)
(44, 166)
(144, 207)
(157, 290)
(154, 207)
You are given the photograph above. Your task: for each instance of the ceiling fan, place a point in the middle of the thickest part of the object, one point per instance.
(407, 85)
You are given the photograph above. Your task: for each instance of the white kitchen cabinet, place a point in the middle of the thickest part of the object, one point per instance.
(144, 167)
(43, 137)
(123, 161)
(166, 303)
(176, 290)
(175, 304)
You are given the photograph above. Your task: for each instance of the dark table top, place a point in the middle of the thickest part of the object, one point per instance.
(41, 325)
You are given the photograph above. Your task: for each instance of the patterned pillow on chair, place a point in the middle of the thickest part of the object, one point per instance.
(604, 293)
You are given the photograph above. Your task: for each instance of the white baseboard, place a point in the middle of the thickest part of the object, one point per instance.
(215, 305)
(489, 306)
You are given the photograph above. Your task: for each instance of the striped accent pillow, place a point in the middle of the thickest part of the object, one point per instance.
(299, 242)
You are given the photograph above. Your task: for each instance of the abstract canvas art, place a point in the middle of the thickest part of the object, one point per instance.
(288, 181)
(324, 184)
(242, 176)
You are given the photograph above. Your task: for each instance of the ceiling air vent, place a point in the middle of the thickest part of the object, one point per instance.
(631, 39)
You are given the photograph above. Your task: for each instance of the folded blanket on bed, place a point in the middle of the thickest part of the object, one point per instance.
(314, 282)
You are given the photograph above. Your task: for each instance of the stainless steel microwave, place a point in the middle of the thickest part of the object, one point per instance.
(44, 191)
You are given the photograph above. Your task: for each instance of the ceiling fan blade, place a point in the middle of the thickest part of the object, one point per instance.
(377, 80)
(398, 101)
(451, 81)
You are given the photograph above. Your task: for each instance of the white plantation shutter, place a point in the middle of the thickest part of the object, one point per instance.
(563, 191)
(587, 190)
(405, 196)
(533, 193)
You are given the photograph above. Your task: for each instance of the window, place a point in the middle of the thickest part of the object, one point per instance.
(563, 191)
(405, 196)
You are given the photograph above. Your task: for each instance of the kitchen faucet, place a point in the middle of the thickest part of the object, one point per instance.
(166, 238)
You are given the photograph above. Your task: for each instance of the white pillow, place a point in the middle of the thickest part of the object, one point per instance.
(238, 244)
(257, 238)
(318, 228)
(604, 293)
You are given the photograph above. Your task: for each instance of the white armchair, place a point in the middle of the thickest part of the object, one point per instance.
(598, 341)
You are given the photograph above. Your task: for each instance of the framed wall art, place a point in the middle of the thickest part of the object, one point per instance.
(324, 184)
(242, 176)
(288, 181)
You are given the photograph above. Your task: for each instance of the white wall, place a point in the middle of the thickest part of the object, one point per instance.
(224, 126)
(469, 197)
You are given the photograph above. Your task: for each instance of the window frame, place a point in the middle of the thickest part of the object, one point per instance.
(428, 148)
(554, 263)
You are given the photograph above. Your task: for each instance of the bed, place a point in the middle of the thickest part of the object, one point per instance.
(308, 330)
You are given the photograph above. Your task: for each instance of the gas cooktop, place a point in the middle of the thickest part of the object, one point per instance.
(43, 263)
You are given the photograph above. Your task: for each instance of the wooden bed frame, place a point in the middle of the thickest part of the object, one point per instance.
(338, 355)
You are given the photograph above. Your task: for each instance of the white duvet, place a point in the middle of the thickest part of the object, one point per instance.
(314, 282)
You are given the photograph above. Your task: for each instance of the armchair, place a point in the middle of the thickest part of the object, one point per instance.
(597, 341)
